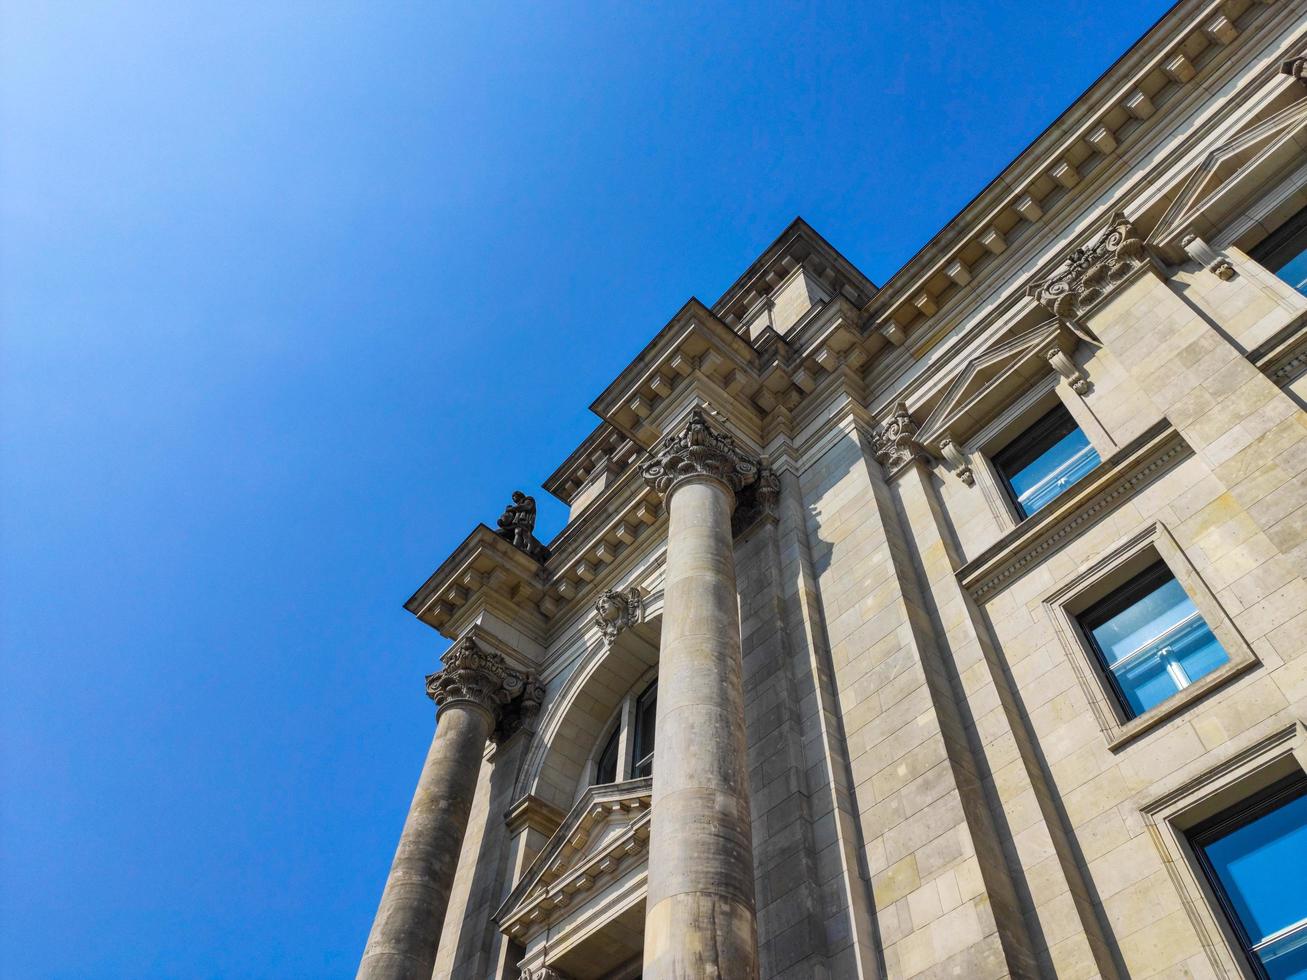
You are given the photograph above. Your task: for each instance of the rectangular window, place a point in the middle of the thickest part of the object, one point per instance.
(1284, 252)
(1151, 639)
(1255, 858)
(646, 713)
(1046, 459)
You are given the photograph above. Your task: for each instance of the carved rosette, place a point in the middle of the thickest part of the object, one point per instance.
(482, 677)
(894, 443)
(1090, 272)
(698, 450)
(616, 611)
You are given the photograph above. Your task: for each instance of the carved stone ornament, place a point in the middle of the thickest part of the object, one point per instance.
(1066, 367)
(518, 522)
(470, 673)
(616, 611)
(1090, 272)
(757, 502)
(1206, 256)
(1295, 68)
(894, 443)
(698, 450)
(958, 461)
(544, 973)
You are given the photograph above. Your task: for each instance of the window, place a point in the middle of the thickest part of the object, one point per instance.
(1284, 252)
(606, 770)
(1046, 459)
(1151, 639)
(1254, 857)
(646, 712)
(629, 751)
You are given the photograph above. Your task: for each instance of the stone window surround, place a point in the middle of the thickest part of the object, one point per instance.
(1020, 414)
(1169, 816)
(1121, 563)
(622, 719)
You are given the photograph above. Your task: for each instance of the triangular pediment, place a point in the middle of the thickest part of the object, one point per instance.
(989, 379)
(1227, 170)
(601, 838)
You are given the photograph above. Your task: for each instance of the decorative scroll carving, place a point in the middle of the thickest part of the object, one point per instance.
(1295, 68)
(1206, 256)
(698, 450)
(471, 673)
(518, 522)
(1066, 367)
(955, 458)
(1090, 272)
(894, 443)
(544, 973)
(616, 611)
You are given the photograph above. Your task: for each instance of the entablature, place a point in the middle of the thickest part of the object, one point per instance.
(1168, 65)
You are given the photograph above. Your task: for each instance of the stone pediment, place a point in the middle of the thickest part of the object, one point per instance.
(602, 839)
(991, 378)
(1216, 186)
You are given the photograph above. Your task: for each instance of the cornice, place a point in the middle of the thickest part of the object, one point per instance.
(1121, 476)
(797, 245)
(483, 570)
(1177, 52)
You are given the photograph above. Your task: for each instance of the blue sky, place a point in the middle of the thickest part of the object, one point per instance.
(293, 294)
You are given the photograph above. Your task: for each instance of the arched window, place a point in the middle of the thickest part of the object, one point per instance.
(629, 751)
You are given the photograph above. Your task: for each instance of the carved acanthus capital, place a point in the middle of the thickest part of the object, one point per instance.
(698, 450)
(473, 674)
(1090, 272)
(894, 443)
(616, 611)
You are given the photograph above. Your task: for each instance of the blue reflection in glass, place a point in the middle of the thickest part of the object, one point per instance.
(1262, 867)
(1294, 272)
(1158, 646)
(1042, 480)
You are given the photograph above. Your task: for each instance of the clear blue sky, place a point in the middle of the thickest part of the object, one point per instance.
(291, 296)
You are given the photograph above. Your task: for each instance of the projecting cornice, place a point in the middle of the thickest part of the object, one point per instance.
(484, 572)
(1188, 45)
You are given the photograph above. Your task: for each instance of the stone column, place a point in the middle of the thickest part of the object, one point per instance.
(700, 914)
(470, 692)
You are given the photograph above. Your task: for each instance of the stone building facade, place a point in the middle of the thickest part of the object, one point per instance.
(955, 626)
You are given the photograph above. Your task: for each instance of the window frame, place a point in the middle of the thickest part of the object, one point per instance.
(622, 726)
(1032, 433)
(1267, 252)
(1262, 757)
(1068, 603)
(1040, 399)
(1280, 793)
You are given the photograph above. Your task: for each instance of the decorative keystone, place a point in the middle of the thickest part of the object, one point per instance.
(698, 450)
(1092, 271)
(616, 611)
(894, 443)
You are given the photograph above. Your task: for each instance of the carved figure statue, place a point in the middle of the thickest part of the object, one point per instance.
(517, 525)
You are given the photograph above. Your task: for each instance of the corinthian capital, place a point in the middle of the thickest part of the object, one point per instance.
(894, 443)
(1090, 272)
(473, 674)
(698, 450)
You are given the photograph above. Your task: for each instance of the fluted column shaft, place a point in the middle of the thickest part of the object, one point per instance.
(700, 916)
(406, 932)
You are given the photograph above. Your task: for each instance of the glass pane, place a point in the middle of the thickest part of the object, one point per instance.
(1046, 459)
(1261, 869)
(646, 713)
(1158, 646)
(1059, 466)
(1294, 272)
(606, 771)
